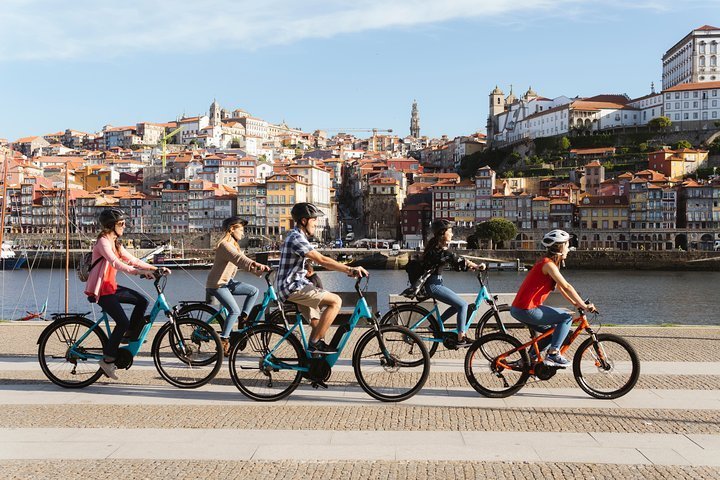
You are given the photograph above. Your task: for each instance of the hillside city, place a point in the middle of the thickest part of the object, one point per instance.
(619, 173)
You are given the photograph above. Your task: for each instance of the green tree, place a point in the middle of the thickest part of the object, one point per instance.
(683, 144)
(235, 143)
(564, 143)
(643, 147)
(496, 230)
(661, 125)
(472, 242)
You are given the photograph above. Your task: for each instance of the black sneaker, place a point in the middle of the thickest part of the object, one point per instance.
(321, 348)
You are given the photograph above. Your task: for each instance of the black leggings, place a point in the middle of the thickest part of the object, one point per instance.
(112, 305)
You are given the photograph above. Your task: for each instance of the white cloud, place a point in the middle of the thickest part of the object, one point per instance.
(48, 29)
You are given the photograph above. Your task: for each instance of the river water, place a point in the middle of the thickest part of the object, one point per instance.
(625, 297)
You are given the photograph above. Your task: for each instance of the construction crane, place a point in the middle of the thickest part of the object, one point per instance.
(164, 141)
(373, 130)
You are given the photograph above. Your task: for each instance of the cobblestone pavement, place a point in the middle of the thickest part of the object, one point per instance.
(193, 470)
(653, 344)
(381, 417)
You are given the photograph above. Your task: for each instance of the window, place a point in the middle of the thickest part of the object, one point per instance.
(686, 104)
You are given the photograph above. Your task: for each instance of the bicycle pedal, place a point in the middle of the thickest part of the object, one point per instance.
(319, 383)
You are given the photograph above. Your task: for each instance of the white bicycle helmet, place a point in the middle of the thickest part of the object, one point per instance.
(554, 237)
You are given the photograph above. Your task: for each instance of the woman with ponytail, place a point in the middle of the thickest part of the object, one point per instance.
(542, 279)
(220, 282)
(436, 256)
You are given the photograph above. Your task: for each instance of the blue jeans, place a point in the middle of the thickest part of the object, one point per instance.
(438, 291)
(541, 319)
(225, 293)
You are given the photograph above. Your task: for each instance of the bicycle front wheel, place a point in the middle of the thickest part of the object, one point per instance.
(419, 320)
(63, 360)
(607, 369)
(391, 364)
(187, 352)
(496, 378)
(265, 366)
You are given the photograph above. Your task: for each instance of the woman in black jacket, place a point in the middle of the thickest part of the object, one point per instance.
(436, 256)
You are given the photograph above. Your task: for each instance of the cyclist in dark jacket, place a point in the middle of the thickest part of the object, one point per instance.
(436, 256)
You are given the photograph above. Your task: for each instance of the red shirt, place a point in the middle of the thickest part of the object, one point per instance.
(109, 284)
(536, 287)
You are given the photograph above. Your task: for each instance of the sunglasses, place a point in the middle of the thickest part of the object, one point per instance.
(121, 223)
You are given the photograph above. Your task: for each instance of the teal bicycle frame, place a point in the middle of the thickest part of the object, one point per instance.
(133, 347)
(268, 297)
(339, 340)
(482, 296)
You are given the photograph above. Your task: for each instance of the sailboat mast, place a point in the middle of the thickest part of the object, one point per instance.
(67, 240)
(4, 197)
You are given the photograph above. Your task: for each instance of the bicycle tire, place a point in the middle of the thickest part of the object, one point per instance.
(431, 331)
(615, 364)
(490, 322)
(194, 359)
(416, 370)
(484, 375)
(258, 341)
(93, 372)
(204, 313)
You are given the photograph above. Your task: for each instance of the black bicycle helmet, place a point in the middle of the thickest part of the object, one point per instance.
(439, 225)
(305, 210)
(110, 216)
(234, 220)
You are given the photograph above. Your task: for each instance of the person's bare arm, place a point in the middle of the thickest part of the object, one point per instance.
(331, 264)
(567, 290)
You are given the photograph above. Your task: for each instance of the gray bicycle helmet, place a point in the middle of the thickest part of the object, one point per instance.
(229, 222)
(439, 225)
(110, 216)
(305, 210)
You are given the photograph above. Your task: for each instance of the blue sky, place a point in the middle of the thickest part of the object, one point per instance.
(322, 64)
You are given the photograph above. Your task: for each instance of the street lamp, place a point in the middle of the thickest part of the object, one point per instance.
(376, 234)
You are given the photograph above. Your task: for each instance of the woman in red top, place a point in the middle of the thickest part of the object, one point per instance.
(102, 287)
(541, 280)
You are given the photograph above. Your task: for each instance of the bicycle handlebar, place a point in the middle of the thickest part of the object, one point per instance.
(357, 284)
(267, 276)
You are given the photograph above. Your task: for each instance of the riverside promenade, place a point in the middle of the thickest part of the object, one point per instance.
(141, 427)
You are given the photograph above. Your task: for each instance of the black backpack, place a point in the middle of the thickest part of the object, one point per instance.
(414, 269)
(417, 276)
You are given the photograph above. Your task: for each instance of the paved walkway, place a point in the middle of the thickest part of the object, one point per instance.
(668, 426)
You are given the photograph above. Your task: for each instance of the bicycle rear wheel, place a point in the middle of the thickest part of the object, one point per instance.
(491, 322)
(66, 363)
(264, 366)
(491, 377)
(393, 373)
(608, 369)
(205, 313)
(408, 315)
(187, 352)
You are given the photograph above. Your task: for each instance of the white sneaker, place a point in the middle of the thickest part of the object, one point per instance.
(108, 369)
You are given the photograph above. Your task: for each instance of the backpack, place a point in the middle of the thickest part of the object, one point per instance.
(85, 266)
(417, 275)
(414, 269)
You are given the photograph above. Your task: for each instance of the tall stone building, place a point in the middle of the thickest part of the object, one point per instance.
(693, 59)
(415, 121)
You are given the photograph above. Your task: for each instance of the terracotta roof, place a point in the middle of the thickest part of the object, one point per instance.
(693, 86)
(26, 139)
(707, 27)
(540, 199)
